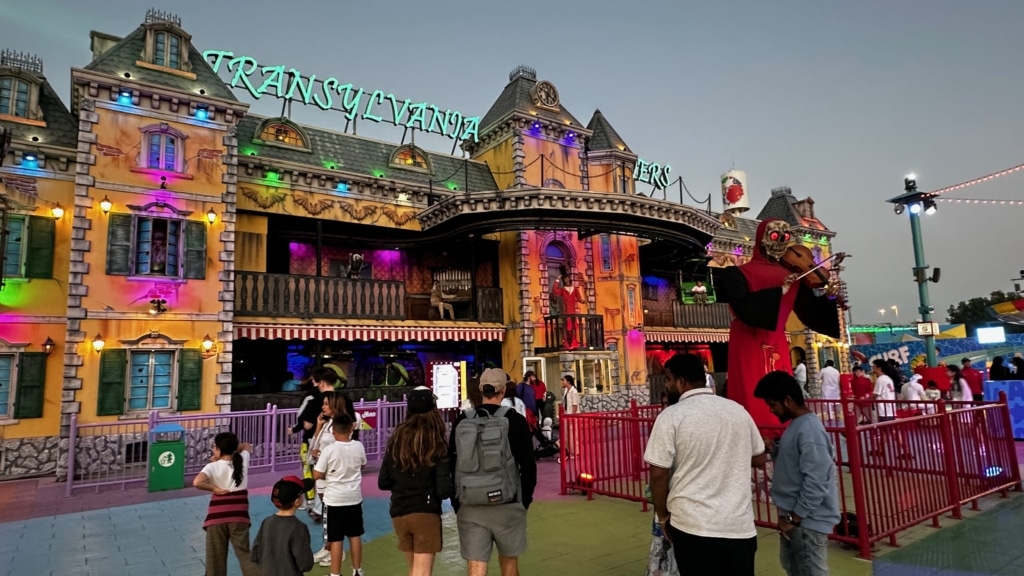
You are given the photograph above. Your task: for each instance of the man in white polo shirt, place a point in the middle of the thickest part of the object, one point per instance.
(700, 451)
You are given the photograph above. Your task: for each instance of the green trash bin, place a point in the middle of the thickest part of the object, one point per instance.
(166, 458)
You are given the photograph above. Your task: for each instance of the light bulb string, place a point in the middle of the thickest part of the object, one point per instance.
(969, 183)
(981, 201)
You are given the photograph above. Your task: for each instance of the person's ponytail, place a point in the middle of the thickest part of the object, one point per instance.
(238, 468)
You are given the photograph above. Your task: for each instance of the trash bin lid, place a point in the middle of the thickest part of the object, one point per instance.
(168, 427)
(166, 433)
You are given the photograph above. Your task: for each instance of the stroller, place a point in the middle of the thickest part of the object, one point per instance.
(546, 446)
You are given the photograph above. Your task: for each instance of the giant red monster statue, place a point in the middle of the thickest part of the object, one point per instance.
(762, 293)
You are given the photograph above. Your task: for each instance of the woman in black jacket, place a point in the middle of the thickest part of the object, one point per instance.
(415, 470)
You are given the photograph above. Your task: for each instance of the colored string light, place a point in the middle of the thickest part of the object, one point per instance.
(981, 201)
(969, 183)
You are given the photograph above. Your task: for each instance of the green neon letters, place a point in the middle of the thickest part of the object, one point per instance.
(290, 84)
(651, 173)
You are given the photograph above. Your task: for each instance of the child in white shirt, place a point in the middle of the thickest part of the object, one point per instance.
(340, 465)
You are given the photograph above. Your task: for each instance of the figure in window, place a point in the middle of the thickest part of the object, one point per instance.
(158, 254)
(437, 300)
(568, 294)
(699, 293)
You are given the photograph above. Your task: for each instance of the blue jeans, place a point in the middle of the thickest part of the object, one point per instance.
(805, 553)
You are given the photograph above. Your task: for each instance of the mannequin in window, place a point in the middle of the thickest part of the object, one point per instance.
(699, 293)
(437, 300)
(158, 254)
(569, 295)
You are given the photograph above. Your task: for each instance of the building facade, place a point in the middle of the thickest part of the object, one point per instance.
(164, 249)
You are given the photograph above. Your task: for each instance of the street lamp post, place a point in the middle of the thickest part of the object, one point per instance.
(915, 203)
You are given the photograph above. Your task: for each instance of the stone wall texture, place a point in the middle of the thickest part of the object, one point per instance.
(29, 457)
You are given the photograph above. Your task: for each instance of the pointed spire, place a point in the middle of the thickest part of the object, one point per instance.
(605, 137)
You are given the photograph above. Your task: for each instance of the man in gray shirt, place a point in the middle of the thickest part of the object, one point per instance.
(804, 485)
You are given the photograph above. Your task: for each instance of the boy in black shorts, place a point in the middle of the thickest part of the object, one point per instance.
(341, 466)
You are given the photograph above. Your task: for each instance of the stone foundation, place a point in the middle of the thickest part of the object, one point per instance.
(29, 457)
(617, 400)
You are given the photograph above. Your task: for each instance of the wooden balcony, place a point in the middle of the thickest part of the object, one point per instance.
(489, 305)
(701, 315)
(262, 294)
(573, 332)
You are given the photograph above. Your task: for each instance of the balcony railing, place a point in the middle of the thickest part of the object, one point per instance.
(573, 332)
(701, 315)
(489, 305)
(262, 294)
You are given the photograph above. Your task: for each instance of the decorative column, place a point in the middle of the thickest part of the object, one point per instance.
(811, 362)
(519, 158)
(227, 271)
(588, 263)
(584, 169)
(526, 337)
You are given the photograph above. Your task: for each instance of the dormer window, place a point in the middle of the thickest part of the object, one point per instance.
(167, 50)
(282, 132)
(411, 158)
(14, 97)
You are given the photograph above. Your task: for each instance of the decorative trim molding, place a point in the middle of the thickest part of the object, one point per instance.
(151, 339)
(164, 317)
(159, 206)
(226, 336)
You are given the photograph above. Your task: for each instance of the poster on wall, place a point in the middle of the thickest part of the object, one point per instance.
(910, 354)
(447, 379)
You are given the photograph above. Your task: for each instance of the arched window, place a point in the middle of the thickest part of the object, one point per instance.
(14, 97)
(163, 148)
(556, 256)
(552, 183)
(283, 134)
(411, 158)
(167, 50)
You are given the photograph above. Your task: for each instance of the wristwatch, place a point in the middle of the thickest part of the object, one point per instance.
(790, 519)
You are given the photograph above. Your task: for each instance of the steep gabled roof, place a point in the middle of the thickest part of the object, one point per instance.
(121, 58)
(783, 206)
(605, 137)
(61, 126)
(745, 230)
(518, 97)
(363, 155)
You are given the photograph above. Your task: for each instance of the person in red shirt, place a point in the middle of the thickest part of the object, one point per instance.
(974, 379)
(539, 390)
(862, 389)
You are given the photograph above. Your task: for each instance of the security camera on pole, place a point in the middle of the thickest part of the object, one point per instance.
(915, 203)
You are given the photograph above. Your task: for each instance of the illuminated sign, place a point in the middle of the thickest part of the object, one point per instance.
(652, 173)
(291, 84)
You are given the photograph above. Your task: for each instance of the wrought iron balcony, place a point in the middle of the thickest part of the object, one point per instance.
(262, 294)
(573, 332)
(701, 315)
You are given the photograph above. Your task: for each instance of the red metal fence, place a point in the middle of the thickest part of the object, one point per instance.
(891, 475)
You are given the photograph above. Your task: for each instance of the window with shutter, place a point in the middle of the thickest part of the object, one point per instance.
(41, 235)
(190, 380)
(14, 247)
(119, 245)
(6, 384)
(150, 380)
(31, 385)
(113, 373)
(195, 250)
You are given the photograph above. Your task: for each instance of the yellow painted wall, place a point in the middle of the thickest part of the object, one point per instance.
(501, 162)
(119, 151)
(608, 177)
(561, 162)
(35, 335)
(251, 243)
(114, 330)
(508, 280)
(38, 296)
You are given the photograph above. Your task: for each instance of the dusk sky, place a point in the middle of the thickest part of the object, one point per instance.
(838, 100)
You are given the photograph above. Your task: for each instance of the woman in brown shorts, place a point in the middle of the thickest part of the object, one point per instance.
(415, 470)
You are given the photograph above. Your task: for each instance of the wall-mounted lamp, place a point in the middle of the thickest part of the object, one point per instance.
(48, 345)
(57, 212)
(207, 343)
(106, 205)
(157, 306)
(211, 216)
(98, 343)
(163, 182)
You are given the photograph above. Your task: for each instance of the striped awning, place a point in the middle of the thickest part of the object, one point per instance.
(368, 333)
(686, 336)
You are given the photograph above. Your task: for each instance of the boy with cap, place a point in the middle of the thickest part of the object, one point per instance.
(282, 545)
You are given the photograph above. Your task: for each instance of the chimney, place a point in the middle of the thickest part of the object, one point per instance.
(100, 42)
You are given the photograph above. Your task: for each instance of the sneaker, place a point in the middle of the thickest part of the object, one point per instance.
(325, 561)
(324, 553)
(357, 572)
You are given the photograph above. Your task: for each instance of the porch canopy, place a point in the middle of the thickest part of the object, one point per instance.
(369, 333)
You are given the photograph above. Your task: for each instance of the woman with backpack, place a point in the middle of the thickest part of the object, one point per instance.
(415, 470)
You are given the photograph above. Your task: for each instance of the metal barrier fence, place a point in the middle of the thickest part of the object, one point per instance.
(117, 453)
(891, 475)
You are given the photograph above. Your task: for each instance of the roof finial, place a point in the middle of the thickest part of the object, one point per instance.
(154, 15)
(22, 61)
(522, 72)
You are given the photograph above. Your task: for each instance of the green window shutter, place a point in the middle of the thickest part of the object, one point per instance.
(42, 233)
(31, 383)
(190, 379)
(195, 250)
(119, 245)
(113, 373)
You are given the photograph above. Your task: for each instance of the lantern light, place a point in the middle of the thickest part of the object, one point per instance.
(98, 343)
(106, 205)
(211, 216)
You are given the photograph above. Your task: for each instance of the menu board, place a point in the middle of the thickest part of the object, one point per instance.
(448, 383)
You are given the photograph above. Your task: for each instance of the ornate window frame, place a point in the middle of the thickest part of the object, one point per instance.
(33, 113)
(148, 56)
(142, 160)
